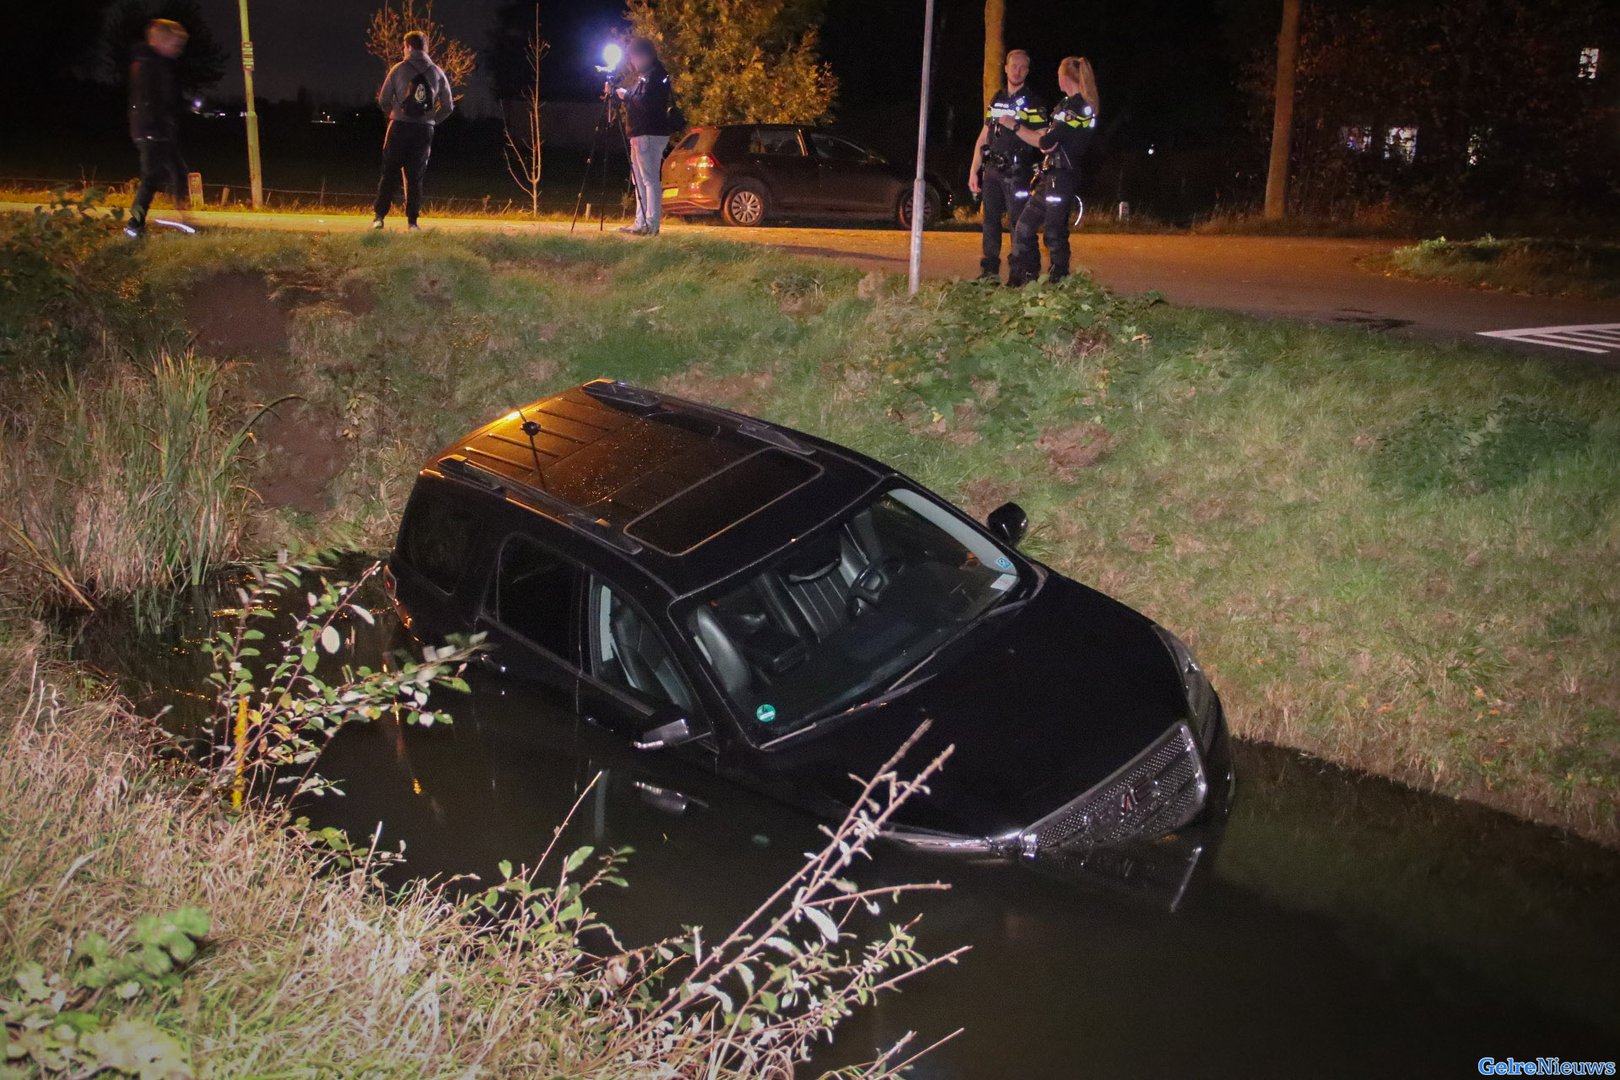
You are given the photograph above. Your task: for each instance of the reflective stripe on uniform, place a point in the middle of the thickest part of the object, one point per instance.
(1020, 194)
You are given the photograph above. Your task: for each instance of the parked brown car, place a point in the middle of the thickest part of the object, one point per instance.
(753, 173)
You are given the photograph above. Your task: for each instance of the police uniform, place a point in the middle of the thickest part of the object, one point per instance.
(1008, 162)
(1051, 199)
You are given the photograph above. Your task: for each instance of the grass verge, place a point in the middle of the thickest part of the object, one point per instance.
(1588, 269)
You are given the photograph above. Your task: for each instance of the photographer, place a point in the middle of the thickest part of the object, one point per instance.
(1051, 200)
(1005, 160)
(648, 101)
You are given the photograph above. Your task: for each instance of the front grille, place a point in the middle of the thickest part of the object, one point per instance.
(1161, 789)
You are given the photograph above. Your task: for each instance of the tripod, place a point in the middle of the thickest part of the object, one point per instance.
(610, 118)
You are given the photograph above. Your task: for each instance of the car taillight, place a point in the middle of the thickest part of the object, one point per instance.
(703, 164)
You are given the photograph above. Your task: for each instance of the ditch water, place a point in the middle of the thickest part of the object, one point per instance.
(1340, 925)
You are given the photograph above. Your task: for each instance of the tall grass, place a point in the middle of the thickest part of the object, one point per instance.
(307, 968)
(1576, 267)
(122, 478)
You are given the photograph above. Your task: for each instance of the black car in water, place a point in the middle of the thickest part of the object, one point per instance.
(785, 612)
(753, 173)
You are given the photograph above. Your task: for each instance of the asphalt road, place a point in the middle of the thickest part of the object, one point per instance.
(1321, 280)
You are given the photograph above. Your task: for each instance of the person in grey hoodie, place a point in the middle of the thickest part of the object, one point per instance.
(416, 95)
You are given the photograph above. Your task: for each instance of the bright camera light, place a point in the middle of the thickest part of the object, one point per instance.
(611, 55)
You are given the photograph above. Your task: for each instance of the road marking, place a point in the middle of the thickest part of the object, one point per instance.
(1588, 338)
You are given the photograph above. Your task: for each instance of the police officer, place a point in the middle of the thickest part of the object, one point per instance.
(1051, 201)
(1005, 161)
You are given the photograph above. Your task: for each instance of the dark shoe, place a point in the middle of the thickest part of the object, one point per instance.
(376, 223)
(1053, 279)
(413, 227)
(134, 232)
(1018, 281)
(990, 277)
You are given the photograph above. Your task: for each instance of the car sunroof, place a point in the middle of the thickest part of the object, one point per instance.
(710, 507)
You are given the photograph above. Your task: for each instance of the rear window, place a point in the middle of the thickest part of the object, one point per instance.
(730, 496)
(434, 537)
(691, 141)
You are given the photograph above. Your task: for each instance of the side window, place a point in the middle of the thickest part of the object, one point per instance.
(434, 537)
(534, 594)
(691, 141)
(831, 148)
(778, 142)
(629, 653)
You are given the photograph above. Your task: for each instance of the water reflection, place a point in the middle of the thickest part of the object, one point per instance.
(1343, 925)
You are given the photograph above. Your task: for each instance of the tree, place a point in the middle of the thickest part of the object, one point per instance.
(390, 24)
(995, 47)
(734, 61)
(202, 64)
(1282, 123)
(522, 111)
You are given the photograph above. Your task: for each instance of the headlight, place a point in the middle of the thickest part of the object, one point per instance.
(1194, 685)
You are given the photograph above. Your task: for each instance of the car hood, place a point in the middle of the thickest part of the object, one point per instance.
(1040, 704)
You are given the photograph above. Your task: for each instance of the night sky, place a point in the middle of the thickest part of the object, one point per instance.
(320, 45)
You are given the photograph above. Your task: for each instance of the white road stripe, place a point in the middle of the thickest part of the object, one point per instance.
(1597, 338)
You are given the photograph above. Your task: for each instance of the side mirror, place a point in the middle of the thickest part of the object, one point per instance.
(667, 726)
(1008, 523)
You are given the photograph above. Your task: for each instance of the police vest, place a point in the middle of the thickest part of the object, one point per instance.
(1024, 107)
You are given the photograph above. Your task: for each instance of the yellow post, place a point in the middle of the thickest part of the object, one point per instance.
(255, 177)
(239, 753)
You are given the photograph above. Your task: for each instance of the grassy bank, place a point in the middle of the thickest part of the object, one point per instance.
(1397, 556)
(1546, 266)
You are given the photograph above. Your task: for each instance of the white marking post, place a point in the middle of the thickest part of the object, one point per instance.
(1597, 338)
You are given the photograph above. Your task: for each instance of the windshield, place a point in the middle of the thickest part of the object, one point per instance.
(838, 616)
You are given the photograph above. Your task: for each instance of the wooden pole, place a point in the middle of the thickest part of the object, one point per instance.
(995, 46)
(1282, 117)
(255, 175)
(919, 185)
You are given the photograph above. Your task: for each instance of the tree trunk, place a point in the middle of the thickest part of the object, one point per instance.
(1282, 121)
(995, 46)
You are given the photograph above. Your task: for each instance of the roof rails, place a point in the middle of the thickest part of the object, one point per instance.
(615, 392)
(462, 468)
(623, 394)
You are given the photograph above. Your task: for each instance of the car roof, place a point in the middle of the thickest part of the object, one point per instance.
(690, 492)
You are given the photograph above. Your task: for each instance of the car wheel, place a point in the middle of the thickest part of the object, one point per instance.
(744, 204)
(930, 208)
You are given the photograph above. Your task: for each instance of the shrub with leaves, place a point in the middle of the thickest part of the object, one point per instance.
(65, 281)
(279, 710)
(74, 1023)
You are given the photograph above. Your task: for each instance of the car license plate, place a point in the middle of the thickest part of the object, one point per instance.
(668, 192)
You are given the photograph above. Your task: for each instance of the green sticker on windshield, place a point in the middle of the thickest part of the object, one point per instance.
(765, 713)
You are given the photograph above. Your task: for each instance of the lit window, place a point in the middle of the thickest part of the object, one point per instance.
(1589, 63)
(1401, 144)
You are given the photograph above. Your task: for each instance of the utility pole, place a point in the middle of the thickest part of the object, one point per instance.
(255, 174)
(1282, 117)
(995, 47)
(919, 186)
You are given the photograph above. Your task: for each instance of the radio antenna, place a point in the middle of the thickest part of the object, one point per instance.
(531, 429)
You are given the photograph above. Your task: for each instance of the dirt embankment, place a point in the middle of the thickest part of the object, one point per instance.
(241, 317)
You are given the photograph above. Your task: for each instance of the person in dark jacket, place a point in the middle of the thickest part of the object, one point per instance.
(154, 119)
(416, 95)
(1063, 143)
(646, 96)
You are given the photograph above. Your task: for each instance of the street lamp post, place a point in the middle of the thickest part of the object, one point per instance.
(919, 185)
(255, 175)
